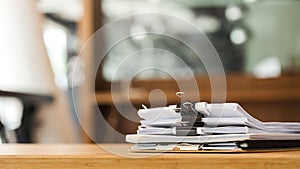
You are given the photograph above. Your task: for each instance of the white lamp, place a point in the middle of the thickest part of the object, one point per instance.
(24, 65)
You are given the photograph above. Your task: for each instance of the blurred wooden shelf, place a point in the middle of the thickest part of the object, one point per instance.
(253, 95)
(239, 89)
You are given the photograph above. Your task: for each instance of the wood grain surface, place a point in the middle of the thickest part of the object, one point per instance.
(93, 156)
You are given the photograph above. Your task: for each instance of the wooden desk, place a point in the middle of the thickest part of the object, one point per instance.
(91, 156)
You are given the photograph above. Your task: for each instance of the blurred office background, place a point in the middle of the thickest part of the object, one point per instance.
(258, 42)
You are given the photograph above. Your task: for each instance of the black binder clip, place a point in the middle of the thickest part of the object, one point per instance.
(190, 117)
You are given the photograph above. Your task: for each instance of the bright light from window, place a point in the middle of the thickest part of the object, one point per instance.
(233, 13)
(238, 36)
(55, 38)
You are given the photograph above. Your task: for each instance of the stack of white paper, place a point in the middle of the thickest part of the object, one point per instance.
(226, 123)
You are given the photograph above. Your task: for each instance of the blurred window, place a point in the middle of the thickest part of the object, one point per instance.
(244, 33)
